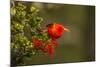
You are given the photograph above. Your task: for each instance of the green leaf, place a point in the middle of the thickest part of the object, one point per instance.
(13, 11)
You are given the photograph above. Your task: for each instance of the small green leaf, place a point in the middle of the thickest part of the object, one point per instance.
(32, 9)
(13, 11)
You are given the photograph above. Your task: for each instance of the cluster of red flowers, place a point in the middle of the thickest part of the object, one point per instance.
(46, 47)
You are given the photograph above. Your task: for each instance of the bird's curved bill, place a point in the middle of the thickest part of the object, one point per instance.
(66, 29)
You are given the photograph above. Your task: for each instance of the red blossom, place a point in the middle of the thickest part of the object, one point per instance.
(50, 50)
(54, 43)
(37, 43)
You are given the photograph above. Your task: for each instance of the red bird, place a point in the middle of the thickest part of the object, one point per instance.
(56, 30)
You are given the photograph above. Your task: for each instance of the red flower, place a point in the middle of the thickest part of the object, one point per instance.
(54, 43)
(37, 43)
(50, 50)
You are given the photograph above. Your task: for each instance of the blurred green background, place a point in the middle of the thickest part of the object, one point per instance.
(75, 46)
